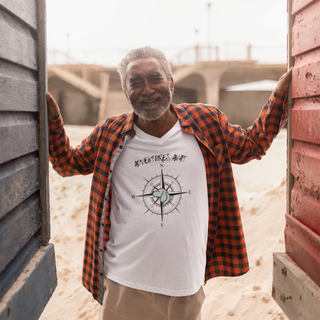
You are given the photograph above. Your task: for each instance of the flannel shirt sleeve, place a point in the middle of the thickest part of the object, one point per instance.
(253, 142)
(66, 160)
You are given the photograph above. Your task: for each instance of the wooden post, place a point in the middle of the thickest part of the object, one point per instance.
(84, 73)
(292, 289)
(103, 106)
(291, 60)
(43, 120)
(249, 52)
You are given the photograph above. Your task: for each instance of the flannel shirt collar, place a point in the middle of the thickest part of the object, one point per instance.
(188, 125)
(185, 120)
(183, 116)
(128, 125)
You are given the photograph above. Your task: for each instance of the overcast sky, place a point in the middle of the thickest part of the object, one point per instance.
(103, 26)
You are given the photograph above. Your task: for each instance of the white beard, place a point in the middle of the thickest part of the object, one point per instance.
(156, 109)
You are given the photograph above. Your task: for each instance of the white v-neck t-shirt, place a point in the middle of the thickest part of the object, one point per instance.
(159, 215)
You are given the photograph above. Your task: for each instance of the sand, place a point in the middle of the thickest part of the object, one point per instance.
(261, 191)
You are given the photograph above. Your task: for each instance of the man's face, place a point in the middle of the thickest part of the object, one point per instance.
(148, 88)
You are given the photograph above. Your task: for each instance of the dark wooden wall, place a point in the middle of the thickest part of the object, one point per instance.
(27, 265)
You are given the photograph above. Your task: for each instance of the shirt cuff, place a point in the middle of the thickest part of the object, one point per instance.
(279, 94)
(55, 124)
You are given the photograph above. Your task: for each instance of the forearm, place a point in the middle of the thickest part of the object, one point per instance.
(66, 161)
(253, 142)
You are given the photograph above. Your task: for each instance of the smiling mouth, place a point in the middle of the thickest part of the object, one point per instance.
(149, 101)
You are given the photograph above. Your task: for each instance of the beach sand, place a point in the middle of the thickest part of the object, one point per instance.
(261, 192)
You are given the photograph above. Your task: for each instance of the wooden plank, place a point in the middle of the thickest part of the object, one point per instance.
(291, 61)
(305, 31)
(18, 88)
(305, 164)
(19, 303)
(11, 273)
(306, 120)
(19, 179)
(17, 228)
(303, 246)
(26, 10)
(292, 289)
(298, 5)
(43, 124)
(17, 42)
(18, 135)
(305, 207)
(306, 75)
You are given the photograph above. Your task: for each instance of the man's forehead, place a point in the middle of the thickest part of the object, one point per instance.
(142, 65)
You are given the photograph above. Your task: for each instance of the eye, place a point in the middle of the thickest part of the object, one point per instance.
(156, 79)
(135, 84)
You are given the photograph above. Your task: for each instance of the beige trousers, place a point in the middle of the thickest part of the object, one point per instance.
(123, 303)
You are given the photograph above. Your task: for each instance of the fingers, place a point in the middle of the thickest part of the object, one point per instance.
(53, 108)
(50, 99)
(284, 81)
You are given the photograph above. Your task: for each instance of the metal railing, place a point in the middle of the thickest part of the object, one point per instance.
(221, 52)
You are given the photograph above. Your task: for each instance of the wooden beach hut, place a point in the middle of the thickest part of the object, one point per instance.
(27, 262)
(296, 278)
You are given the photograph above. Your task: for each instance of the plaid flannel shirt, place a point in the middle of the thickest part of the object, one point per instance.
(221, 144)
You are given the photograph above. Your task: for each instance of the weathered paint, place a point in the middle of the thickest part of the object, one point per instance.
(305, 31)
(25, 299)
(18, 43)
(17, 231)
(26, 10)
(306, 120)
(295, 293)
(293, 290)
(298, 5)
(306, 75)
(305, 164)
(303, 246)
(18, 88)
(24, 201)
(305, 207)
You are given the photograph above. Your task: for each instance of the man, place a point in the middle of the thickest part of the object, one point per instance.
(163, 213)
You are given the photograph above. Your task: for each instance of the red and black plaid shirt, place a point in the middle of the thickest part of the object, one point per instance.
(221, 144)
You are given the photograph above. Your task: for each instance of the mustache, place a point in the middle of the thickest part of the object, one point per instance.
(146, 98)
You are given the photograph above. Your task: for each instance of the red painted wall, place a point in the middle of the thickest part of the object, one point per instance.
(302, 233)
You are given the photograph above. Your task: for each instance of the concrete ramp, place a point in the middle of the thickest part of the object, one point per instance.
(76, 81)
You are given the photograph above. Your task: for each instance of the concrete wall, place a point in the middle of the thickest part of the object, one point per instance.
(184, 95)
(76, 106)
(242, 107)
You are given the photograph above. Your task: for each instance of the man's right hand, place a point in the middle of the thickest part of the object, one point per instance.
(53, 108)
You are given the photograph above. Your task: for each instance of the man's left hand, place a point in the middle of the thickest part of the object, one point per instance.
(284, 82)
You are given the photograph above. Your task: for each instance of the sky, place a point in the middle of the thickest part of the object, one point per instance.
(101, 31)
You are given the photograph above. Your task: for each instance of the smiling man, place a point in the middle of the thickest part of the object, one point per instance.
(163, 215)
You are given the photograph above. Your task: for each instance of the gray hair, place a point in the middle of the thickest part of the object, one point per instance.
(142, 53)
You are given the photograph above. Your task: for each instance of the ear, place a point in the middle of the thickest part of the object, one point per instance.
(125, 93)
(172, 85)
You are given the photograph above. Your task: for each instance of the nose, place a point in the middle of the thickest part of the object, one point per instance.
(147, 89)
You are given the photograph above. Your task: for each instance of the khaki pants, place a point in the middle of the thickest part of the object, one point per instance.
(123, 303)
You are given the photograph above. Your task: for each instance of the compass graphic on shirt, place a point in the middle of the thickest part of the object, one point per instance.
(162, 194)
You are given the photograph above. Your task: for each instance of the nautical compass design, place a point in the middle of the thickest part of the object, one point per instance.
(162, 194)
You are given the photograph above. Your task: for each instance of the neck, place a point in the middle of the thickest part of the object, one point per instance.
(158, 127)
